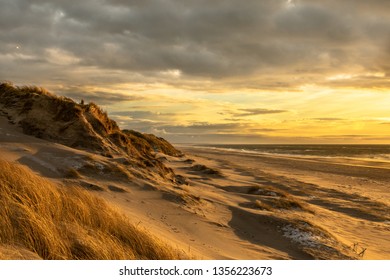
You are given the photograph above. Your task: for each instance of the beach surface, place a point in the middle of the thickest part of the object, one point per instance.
(234, 205)
(348, 198)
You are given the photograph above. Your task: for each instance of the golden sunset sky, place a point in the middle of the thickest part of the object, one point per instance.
(220, 71)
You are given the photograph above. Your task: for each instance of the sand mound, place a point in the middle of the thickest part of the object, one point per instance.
(39, 219)
(86, 126)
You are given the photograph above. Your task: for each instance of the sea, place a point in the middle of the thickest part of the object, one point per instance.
(369, 152)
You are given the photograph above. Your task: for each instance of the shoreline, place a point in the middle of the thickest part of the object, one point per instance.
(360, 165)
(377, 160)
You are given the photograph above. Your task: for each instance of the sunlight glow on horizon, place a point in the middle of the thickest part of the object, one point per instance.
(314, 114)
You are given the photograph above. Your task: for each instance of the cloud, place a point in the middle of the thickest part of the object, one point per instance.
(144, 114)
(99, 97)
(368, 80)
(150, 125)
(197, 39)
(201, 128)
(263, 130)
(357, 137)
(328, 119)
(255, 112)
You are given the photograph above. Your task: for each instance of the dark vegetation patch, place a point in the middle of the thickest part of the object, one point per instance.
(72, 173)
(206, 170)
(181, 180)
(116, 189)
(90, 186)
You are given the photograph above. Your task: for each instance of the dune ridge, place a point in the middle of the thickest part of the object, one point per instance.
(78, 125)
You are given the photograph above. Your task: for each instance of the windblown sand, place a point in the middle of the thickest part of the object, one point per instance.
(230, 205)
(349, 198)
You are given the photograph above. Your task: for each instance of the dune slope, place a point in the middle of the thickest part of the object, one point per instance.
(42, 220)
(84, 126)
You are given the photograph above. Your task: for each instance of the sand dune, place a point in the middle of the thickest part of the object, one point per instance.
(210, 204)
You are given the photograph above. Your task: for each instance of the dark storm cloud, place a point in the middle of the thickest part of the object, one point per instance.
(214, 39)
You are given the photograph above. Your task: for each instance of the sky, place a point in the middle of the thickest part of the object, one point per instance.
(212, 71)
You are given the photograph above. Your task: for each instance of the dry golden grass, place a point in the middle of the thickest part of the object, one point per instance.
(8, 252)
(55, 222)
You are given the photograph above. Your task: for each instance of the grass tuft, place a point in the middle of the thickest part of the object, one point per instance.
(55, 222)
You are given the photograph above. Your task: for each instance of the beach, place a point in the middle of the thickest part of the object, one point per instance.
(348, 197)
(232, 204)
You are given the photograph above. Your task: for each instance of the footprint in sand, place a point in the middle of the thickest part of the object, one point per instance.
(175, 230)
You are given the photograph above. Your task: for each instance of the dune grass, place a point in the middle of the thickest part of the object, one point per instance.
(57, 222)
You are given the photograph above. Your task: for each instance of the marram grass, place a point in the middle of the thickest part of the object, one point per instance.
(39, 219)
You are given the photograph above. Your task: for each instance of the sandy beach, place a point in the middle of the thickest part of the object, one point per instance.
(344, 213)
(347, 198)
(234, 205)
